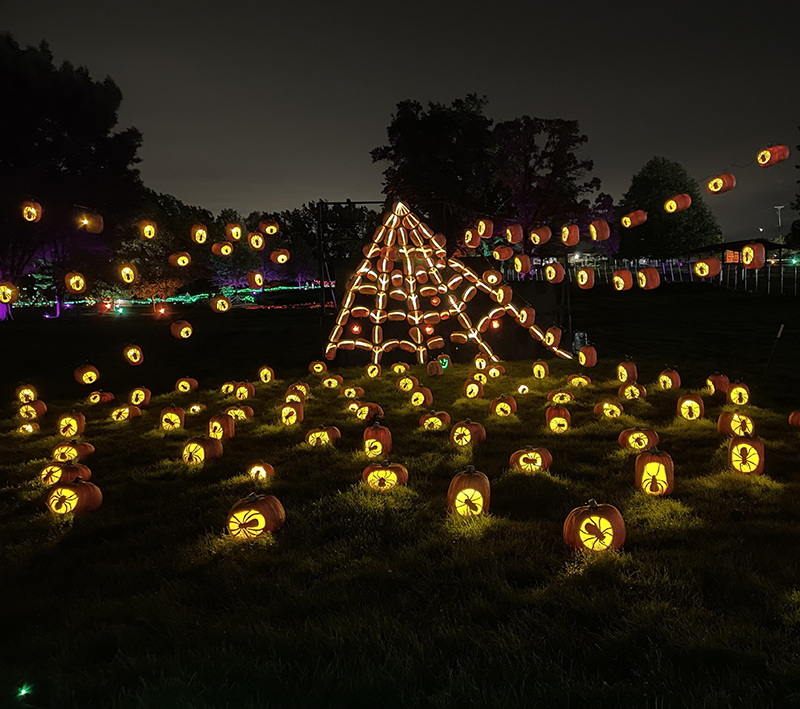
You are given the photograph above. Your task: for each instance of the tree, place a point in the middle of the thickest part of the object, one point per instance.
(793, 238)
(58, 147)
(666, 235)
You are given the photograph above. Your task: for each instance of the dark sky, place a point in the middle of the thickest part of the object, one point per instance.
(266, 105)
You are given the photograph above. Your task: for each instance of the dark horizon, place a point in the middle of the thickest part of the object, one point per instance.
(286, 109)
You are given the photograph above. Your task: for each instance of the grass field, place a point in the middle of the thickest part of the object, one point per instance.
(377, 600)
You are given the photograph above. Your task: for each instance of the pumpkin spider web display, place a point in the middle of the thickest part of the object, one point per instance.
(406, 262)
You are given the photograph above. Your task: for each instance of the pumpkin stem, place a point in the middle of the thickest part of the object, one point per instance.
(470, 470)
(252, 497)
(654, 451)
(593, 504)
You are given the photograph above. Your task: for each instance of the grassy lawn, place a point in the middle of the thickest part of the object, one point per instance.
(373, 600)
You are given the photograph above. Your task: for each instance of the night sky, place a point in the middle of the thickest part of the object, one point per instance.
(266, 106)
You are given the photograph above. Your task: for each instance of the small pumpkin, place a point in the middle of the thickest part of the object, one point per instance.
(557, 419)
(197, 451)
(794, 418)
(631, 391)
(220, 304)
(609, 409)
(243, 391)
(585, 278)
(75, 496)
(717, 383)
(140, 396)
(33, 410)
(691, 407)
(467, 433)
(384, 476)
(266, 374)
(541, 370)
(649, 278)
(627, 372)
(421, 396)
(254, 515)
(87, 374)
(185, 384)
(351, 392)
(318, 367)
(368, 411)
(579, 380)
(434, 368)
(400, 368)
(125, 413)
(181, 329)
(655, 472)
(434, 420)
(332, 381)
(594, 527)
(323, 436)
(373, 371)
(469, 493)
(635, 218)
(669, 379)
(407, 383)
(26, 393)
(503, 406)
(222, 427)
(622, 279)
(495, 370)
(473, 389)
(732, 423)
(738, 394)
(587, 356)
(531, 460)
(638, 439)
(133, 355)
(554, 272)
(240, 413)
(260, 471)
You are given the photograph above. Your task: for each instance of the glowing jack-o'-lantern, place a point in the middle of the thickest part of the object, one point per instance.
(495, 370)
(195, 409)
(622, 279)
(9, 293)
(707, 267)
(71, 424)
(655, 472)
(377, 440)
(368, 411)
(323, 436)
(677, 203)
(71, 452)
(148, 229)
(557, 419)
(351, 392)
(255, 515)
(317, 367)
(181, 329)
(732, 423)
(554, 272)
(691, 407)
(594, 527)
(125, 413)
(222, 248)
(244, 390)
(353, 406)
(570, 234)
(746, 455)
(480, 362)
(199, 234)
(75, 282)
(634, 218)
(280, 256)
(502, 253)
(579, 380)
(220, 304)
(485, 228)
(753, 256)
(197, 451)
(172, 418)
(26, 393)
(373, 371)
(266, 375)
(185, 384)
(585, 278)
(28, 427)
(609, 409)
(531, 460)
(669, 379)
(74, 497)
(467, 433)
(434, 420)
(291, 413)
(139, 396)
(128, 273)
(31, 211)
(599, 230)
(240, 413)
(540, 236)
(587, 356)
(560, 397)
(522, 263)
(717, 383)
(421, 396)
(479, 376)
(233, 232)
(384, 476)
(133, 355)
(222, 427)
(407, 383)
(268, 227)
(255, 241)
(627, 372)
(772, 155)
(632, 391)
(638, 439)
(53, 473)
(503, 406)
(255, 279)
(541, 370)
(738, 394)
(523, 389)
(514, 233)
(181, 259)
(469, 493)
(552, 337)
(472, 239)
(90, 222)
(32, 410)
(648, 278)
(721, 183)
(473, 389)
(400, 368)
(260, 471)
(332, 381)
(100, 397)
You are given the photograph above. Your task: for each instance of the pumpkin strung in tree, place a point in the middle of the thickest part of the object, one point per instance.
(434, 369)
(33, 410)
(746, 455)
(560, 397)
(332, 381)
(26, 393)
(198, 450)
(279, 256)
(240, 413)
(609, 409)
(649, 278)
(557, 418)
(541, 370)
(260, 471)
(514, 233)
(627, 372)
(31, 211)
(634, 218)
(421, 396)
(180, 259)
(368, 411)
(254, 515)
(669, 379)
(738, 394)
(502, 253)
(585, 278)
(473, 389)
(469, 493)
(503, 406)
(244, 390)
(255, 280)
(71, 424)
(87, 374)
(172, 418)
(255, 241)
(732, 423)
(522, 263)
(100, 397)
(233, 232)
(181, 330)
(467, 433)
(570, 234)
(195, 409)
(220, 304)
(579, 380)
(794, 418)
(472, 239)
(74, 497)
(594, 527)
(53, 473)
(90, 222)
(269, 227)
(485, 228)
(199, 233)
(655, 472)
(554, 272)
(434, 420)
(632, 391)
(222, 248)
(690, 407)
(139, 396)
(638, 439)
(599, 230)
(708, 267)
(373, 371)
(9, 293)
(72, 451)
(754, 256)
(266, 375)
(125, 413)
(678, 203)
(323, 436)
(133, 355)
(622, 280)
(541, 235)
(721, 183)
(717, 383)
(772, 155)
(552, 337)
(400, 368)
(384, 476)
(148, 230)
(531, 460)
(377, 440)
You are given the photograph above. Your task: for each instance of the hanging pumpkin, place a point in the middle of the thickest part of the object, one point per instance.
(609, 409)
(622, 280)
(541, 370)
(368, 411)
(492, 277)
(180, 259)
(133, 355)
(90, 222)
(531, 460)
(269, 227)
(502, 253)
(195, 409)
(587, 356)
(503, 406)
(181, 329)
(738, 394)
(199, 233)
(746, 455)
(125, 413)
(255, 279)
(732, 423)
(240, 413)
(772, 155)
(579, 380)
(266, 375)
(384, 476)
(585, 278)
(233, 232)
(649, 278)
(260, 471)
(280, 256)
(594, 527)
(31, 211)
(128, 273)
(522, 263)
(707, 267)
(377, 440)
(244, 390)
(638, 439)
(473, 389)
(721, 183)
(560, 397)
(421, 396)
(469, 493)
(472, 239)
(26, 393)
(434, 420)
(75, 496)
(634, 218)
(185, 384)
(669, 379)
(148, 229)
(554, 272)
(139, 396)
(632, 391)
(32, 410)
(53, 473)
(197, 451)
(467, 433)
(540, 236)
(753, 256)
(71, 424)
(373, 371)
(407, 383)
(100, 397)
(690, 407)
(514, 233)
(72, 451)
(75, 282)
(557, 418)
(678, 203)
(599, 230)
(220, 304)
(485, 228)
(255, 241)
(655, 472)
(570, 234)
(222, 248)
(323, 436)
(254, 515)
(552, 337)
(400, 368)
(627, 372)
(172, 418)
(332, 381)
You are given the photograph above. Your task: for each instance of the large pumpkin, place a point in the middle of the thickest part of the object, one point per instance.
(558, 420)
(678, 203)
(323, 436)
(469, 493)
(291, 413)
(772, 155)
(133, 355)
(76, 496)
(753, 256)
(34, 409)
(220, 304)
(634, 218)
(649, 278)
(587, 356)
(72, 452)
(540, 236)
(655, 472)
(467, 433)
(172, 418)
(377, 440)
(570, 235)
(585, 278)
(594, 527)
(71, 424)
(531, 460)
(746, 455)
(627, 372)
(26, 393)
(669, 379)
(599, 230)
(503, 405)
(738, 394)
(53, 473)
(721, 183)
(254, 515)
(473, 389)
(384, 476)
(638, 439)
(421, 396)
(554, 272)
(197, 451)
(707, 268)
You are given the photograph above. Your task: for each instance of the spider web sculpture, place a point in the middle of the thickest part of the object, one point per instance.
(406, 279)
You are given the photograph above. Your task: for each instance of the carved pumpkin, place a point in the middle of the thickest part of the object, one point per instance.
(185, 384)
(240, 413)
(148, 230)
(554, 272)
(254, 515)
(557, 418)
(407, 383)
(197, 451)
(638, 439)
(133, 355)
(585, 278)
(648, 278)
(570, 234)
(587, 356)
(53, 473)
(479, 376)
(279, 256)
(125, 413)
(332, 381)
(594, 527)
(266, 375)
(353, 406)
(467, 433)
(180, 259)
(502, 253)
(260, 471)
(33, 410)
(738, 394)
(199, 234)
(269, 227)
(255, 241)
(655, 472)
(707, 268)
(721, 183)
(754, 256)
(384, 476)
(469, 493)
(531, 460)
(472, 239)
(480, 361)
(421, 396)
(732, 423)
(90, 222)
(541, 370)
(195, 409)
(473, 389)
(28, 428)
(495, 370)
(255, 280)
(434, 420)
(552, 337)
(540, 236)
(373, 371)
(351, 392)
(220, 304)
(9, 293)
(772, 155)
(634, 218)
(632, 391)
(503, 406)
(377, 440)
(244, 390)
(87, 374)
(560, 397)
(26, 393)
(690, 407)
(627, 372)
(72, 451)
(181, 330)
(522, 263)
(609, 409)
(599, 230)
(71, 424)
(622, 280)
(227, 388)
(76, 496)
(400, 368)
(222, 248)
(323, 436)
(172, 418)
(31, 211)
(233, 232)
(485, 228)
(746, 455)
(579, 380)
(678, 203)
(669, 379)
(514, 233)
(368, 411)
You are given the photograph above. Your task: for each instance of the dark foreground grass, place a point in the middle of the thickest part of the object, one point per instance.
(382, 600)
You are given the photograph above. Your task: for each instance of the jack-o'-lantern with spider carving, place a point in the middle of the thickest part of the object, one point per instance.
(746, 455)
(594, 527)
(384, 476)
(74, 497)
(531, 460)
(469, 493)
(254, 516)
(655, 472)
